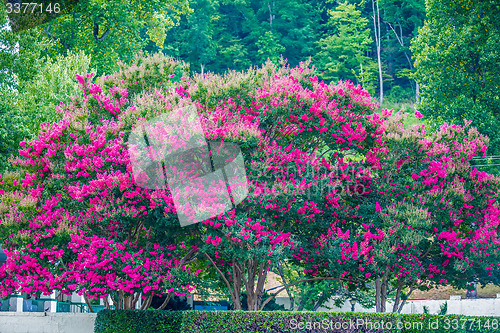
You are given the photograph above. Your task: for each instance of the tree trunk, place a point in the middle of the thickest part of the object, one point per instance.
(271, 16)
(302, 303)
(263, 269)
(404, 301)
(378, 290)
(235, 290)
(401, 42)
(237, 277)
(376, 26)
(380, 293)
(255, 292)
(383, 298)
(106, 303)
(165, 302)
(88, 303)
(398, 298)
(320, 300)
(128, 302)
(147, 302)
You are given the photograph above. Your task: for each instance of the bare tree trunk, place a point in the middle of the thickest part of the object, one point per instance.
(135, 299)
(250, 284)
(263, 269)
(320, 300)
(234, 291)
(147, 302)
(115, 301)
(255, 292)
(165, 302)
(237, 275)
(380, 293)
(121, 304)
(271, 16)
(383, 294)
(106, 303)
(398, 297)
(404, 301)
(376, 26)
(302, 303)
(401, 42)
(128, 302)
(88, 303)
(378, 297)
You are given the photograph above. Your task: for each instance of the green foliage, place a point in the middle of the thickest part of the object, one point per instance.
(234, 35)
(343, 48)
(130, 321)
(194, 37)
(112, 31)
(458, 64)
(21, 56)
(146, 73)
(443, 309)
(20, 61)
(269, 47)
(399, 94)
(401, 22)
(312, 295)
(55, 83)
(12, 129)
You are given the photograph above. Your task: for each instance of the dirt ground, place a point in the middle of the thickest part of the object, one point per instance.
(489, 291)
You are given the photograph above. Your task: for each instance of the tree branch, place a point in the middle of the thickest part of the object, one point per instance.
(165, 302)
(291, 285)
(96, 33)
(221, 274)
(88, 303)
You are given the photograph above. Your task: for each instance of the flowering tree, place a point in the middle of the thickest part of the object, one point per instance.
(73, 218)
(345, 191)
(305, 129)
(283, 119)
(87, 207)
(425, 216)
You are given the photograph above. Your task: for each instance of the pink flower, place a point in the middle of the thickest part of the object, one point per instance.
(80, 79)
(418, 114)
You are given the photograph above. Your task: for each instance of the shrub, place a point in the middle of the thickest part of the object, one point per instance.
(130, 321)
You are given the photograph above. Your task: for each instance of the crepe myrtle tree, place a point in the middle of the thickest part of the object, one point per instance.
(284, 120)
(72, 217)
(425, 216)
(75, 217)
(304, 131)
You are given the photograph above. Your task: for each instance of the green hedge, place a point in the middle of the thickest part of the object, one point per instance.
(131, 321)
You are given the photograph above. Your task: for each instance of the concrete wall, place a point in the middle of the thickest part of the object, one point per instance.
(469, 307)
(43, 322)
